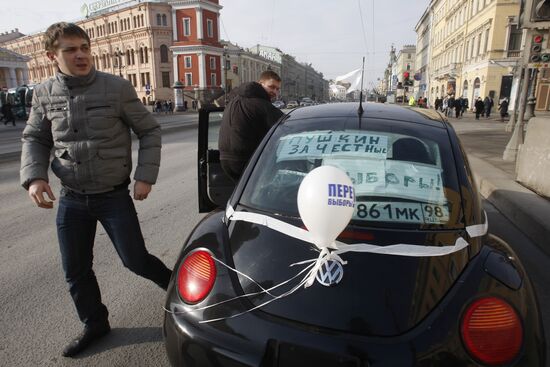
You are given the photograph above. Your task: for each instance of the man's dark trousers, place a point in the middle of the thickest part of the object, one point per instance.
(77, 219)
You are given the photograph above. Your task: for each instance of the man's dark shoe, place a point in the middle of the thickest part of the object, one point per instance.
(85, 338)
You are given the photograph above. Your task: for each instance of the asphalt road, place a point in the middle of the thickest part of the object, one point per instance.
(37, 315)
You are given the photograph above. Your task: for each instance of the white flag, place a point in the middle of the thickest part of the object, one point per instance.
(353, 77)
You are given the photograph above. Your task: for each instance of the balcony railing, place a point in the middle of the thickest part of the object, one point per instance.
(449, 70)
(515, 53)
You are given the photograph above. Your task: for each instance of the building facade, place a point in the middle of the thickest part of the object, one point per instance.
(197, 51)
(474, 48)
(421, 74)
(131, 40)
(404, 69)
(299, 80)
(157, 45)
(13, 69)
(242, 66)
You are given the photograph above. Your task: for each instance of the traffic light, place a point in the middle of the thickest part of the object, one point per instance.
(536, 48)
(406, 78)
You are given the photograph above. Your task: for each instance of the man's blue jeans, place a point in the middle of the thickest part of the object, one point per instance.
(77, 219)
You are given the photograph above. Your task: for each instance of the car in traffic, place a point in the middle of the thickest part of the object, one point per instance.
(279, 104)
(306, 101)
(292, 104)
(414, 277)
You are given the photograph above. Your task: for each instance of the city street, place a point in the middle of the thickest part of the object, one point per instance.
(38, 317)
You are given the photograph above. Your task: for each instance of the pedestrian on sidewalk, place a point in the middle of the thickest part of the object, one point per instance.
(487, 106)
(458, 107)
(93, 160)
(464, 105)
(479, 106)
(8, 113)
(503, 109)
(248, 116)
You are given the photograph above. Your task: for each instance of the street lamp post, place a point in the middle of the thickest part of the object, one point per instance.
(118, 57)
(224, 75)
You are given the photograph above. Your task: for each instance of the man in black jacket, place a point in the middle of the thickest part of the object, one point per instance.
(247, 118)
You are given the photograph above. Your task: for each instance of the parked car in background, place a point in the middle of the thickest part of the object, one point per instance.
(292, 104)
(416, 280)
(279, 104)
(306, 101)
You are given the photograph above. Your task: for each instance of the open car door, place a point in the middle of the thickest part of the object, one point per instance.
(214, 186)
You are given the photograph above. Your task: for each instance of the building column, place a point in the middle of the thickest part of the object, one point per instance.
(200, 34)
(202, 70)
(25, 76)
(12, 80)
(175, 67)
(174, 25)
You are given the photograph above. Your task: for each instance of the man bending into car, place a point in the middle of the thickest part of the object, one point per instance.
(86, 117)
(247, 118)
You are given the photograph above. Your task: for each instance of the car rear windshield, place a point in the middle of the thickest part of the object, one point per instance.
(402, 177)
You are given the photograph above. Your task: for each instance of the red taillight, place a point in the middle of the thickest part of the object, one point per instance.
(492, 331)
(196, 276)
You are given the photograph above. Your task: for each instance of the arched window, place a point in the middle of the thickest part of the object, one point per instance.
(163, 53)
(465, 89)
(141, 55)
(128, 57)
(164, 19)
(158, 20)
(133, 57)
(146, 55)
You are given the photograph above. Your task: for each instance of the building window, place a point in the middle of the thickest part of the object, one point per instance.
(146, 54)
(163, 53)
(213, 79)
(186, 26)
(212, 63)
(514, 43)
(158, 19)
(187, 60)
(141, 59)
(188, 79)
(486, 41)
(210, 28)
(164, 20)
(166, 79)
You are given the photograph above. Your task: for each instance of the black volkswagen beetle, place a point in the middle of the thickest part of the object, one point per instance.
(418, 280)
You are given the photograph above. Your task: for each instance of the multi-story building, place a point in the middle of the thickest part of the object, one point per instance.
(197, 51)
(242, 66)
(421, 77)
(13, 69)
(130, 39)
(404, 69)
(159, 44)
(299, 80)
(474, 47)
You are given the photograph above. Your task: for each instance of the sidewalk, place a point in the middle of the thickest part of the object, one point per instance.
(484, 141)
(10, 136)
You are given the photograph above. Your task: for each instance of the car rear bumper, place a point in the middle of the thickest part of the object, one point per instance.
(257, 338)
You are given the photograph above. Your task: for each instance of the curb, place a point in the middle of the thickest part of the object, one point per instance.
(521, 206)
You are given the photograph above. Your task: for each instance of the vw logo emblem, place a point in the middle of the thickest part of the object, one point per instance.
(330, 273)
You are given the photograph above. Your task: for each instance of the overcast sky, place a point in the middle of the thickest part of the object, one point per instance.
(331, 35)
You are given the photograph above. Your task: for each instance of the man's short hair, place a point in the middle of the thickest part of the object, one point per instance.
(269, 74)
(62, 29)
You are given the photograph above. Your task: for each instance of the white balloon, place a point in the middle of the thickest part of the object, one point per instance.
(326, 200)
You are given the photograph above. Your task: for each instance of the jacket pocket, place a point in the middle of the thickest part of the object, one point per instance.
(57, 114)
(113, 165)
(63, 167)
(101, 116)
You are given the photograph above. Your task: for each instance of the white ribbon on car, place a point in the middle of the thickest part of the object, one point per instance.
(330, 253)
